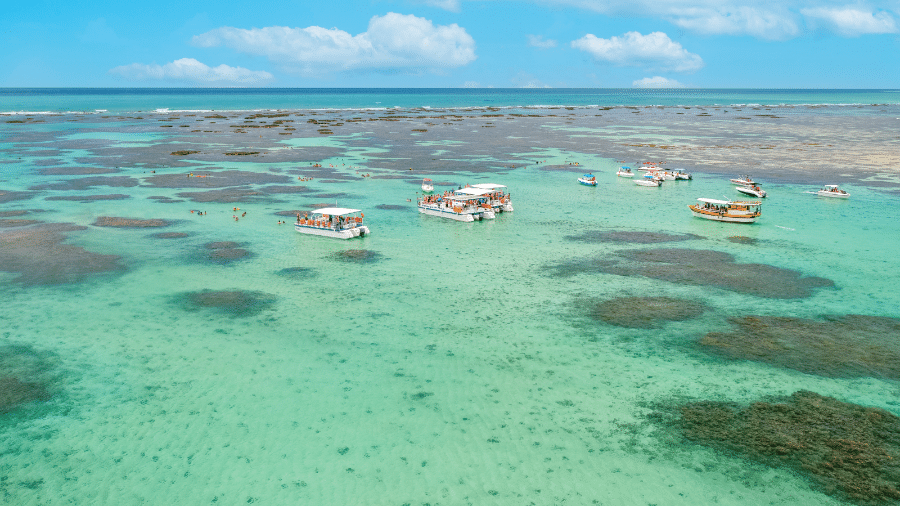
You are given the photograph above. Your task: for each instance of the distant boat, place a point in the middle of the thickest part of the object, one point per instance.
(743, 181)
(427, 185)
(336, 222)
(727, 210)
(625, 172)
(754, 191)
(832, 190)
(682, 175)
(588, 180)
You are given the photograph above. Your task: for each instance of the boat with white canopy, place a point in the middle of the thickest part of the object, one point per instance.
(337, 222)
(624, 172)
(832, 190)
(727, 210)
(427, 185)
(498, 196)
(459, 207)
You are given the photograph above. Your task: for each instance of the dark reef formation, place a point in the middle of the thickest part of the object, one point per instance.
(630, 236)
(237, 304)
(40, 257)
(699, 267)
(225, 252)
(843, 347)
(359, 256)
(846, 450)
(646, 312)
(112, 221)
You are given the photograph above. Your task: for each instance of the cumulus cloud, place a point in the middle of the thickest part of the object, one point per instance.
(852, 22)
(654, 50)
(538, 41)
(392, 42)
(656, 82)
(447, 5)
(189, 69)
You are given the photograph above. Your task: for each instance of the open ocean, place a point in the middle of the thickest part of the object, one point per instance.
(592, 347)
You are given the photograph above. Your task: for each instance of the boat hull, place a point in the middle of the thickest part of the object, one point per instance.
(647, 182)
(347, 233)
(587, 182)
(752, 192)
(625, 174)
(833, 194)
(726, 217)
(451, 214)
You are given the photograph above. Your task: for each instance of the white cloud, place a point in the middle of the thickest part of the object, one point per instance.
(654, 50)
(189, 69)
(656, 82)
(852, 22)
(538, 41)
(774, 24)
(392, 42)
(447, 5)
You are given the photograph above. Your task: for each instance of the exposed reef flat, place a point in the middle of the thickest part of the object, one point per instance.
(630, 236)
(39, 256)
(111, 221)
(843, 347)
(846, 450)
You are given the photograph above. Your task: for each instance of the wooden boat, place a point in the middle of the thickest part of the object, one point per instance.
(727, 210)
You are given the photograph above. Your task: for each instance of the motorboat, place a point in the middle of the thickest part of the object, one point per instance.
(832, 190)
(497, 196)
(588, 180)
(625, 172)
(427, 185)
(648, 181)
(459, 207)
(752, 190)
(337, 222)
(682, 175)
(743, 181)
(727, 210)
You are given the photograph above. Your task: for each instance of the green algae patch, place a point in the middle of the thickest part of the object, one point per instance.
(646, 312)
(845, 450)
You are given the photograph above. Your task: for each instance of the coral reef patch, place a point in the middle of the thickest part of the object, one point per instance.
(838, 347)
(358, 256)
(112, 221)
(845, 450)
(225, 252)
(236, 303)
(630, 236)
(39, 256)
(646, 312)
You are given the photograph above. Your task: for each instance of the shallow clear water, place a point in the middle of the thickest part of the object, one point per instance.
(457, 367)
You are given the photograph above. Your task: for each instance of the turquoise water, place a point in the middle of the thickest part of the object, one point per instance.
(130, 100)
(456, 366)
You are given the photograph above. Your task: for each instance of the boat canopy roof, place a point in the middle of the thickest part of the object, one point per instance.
(717, 202)
(488, 186)
(473, 191)
(335, 211)
(588, 175)
(625, 167)
(459, 197)
(831, 186)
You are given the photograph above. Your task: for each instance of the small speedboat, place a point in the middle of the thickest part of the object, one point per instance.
(648, 181)
(427, 185)
(743, 181)
(625, 172)
(682, 175)
(753, 190)
(588, 180)
(832, 190)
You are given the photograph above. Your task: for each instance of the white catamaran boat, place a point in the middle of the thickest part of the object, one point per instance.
(427, 185)
(456, 207)
(588, 180)
(727, 210)
(752, 190)
(625, 172)
(832, 190)
(498, 197)
(336, 222)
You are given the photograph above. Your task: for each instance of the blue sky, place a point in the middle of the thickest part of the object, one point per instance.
(453, 43)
